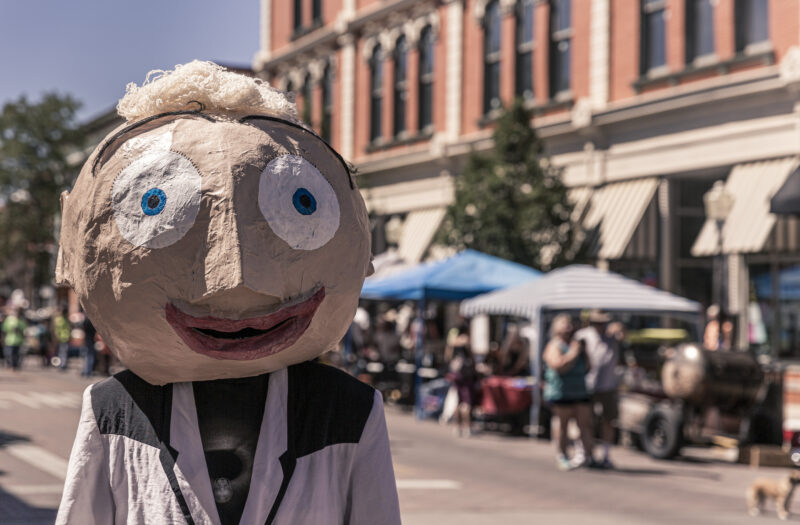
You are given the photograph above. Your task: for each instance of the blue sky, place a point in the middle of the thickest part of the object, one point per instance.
(91, 48)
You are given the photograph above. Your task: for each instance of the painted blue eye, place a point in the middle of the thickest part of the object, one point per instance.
(304, 202)
(153, 201)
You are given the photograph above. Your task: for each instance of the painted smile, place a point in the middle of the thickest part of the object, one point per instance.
(244, 339)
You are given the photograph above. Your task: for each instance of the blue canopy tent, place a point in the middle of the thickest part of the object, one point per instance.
(464, 275)
(788, 285)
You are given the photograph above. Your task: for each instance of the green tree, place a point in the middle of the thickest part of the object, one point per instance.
(509, 201)
(35, 140)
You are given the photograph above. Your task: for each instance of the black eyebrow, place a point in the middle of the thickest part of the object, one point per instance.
(138, 123)
(347, 167)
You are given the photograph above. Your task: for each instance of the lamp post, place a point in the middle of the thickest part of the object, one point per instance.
(718, 203)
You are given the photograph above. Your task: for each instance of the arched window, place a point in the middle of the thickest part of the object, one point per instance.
(308, 95)
(752, 22)
(523, 65)
(376, 93)
(298, 15)
(400, 85)
(560, 46)
(653, 35)
(699, 29)
(491, 57)
(327, 101)
(316, 12)
(426, 78)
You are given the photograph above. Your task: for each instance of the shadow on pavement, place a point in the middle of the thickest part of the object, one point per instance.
(7, 438)
(14, 511)
(639, 471)
(697, 474)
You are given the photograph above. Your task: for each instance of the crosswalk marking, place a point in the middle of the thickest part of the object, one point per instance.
(435, 484)
(40, 458)
(38, 400)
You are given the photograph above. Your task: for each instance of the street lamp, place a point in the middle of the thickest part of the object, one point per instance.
(718, 203)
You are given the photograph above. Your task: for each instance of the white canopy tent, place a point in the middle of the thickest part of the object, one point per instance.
(579, 287)
(574, 288)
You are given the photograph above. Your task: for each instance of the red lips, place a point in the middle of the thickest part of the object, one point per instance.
(244, 339)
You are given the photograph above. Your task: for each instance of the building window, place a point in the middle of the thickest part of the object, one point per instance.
(308, 95)
(426, 78)
(560, 46)
(491, 57)
(699, 29)
(376, 93)
(400, 85)
(751, 23)
(653, 35)
(524, 60)
(316, 12)
(327, 102)
(298, 15)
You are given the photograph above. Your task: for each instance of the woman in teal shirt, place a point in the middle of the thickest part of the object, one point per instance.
(565, 390)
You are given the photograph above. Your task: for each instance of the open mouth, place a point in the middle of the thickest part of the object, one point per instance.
(244, 339)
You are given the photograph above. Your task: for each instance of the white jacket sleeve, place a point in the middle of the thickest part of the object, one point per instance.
(87, 497)
(373, 492)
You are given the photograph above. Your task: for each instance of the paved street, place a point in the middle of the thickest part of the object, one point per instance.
(442, 479)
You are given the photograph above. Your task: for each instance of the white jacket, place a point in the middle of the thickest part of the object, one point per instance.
(322, 456)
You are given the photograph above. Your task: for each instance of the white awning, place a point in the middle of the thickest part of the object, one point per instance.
(614, 213)
(749, 224)
(578, 287)
(418, 230)
(579, 197)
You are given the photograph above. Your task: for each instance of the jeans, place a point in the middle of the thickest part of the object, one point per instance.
(88, 363)
(11, 354)
(63, 355)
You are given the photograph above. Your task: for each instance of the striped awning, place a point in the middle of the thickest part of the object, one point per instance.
(579, 197)
(615, 211)
(578, 287)
(750, 222)
(418, 230)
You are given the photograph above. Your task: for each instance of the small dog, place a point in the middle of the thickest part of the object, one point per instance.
(780, 490)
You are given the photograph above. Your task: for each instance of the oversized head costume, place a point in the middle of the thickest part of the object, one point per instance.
(219, 245)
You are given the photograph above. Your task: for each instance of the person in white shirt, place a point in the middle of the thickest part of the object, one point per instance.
(219, 246)
(602, 380)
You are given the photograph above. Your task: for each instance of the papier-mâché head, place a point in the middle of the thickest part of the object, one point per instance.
(215, 243)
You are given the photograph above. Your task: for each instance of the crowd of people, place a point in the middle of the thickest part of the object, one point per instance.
(54, 336)
(580, 365)
(580, 382)
(452, 371)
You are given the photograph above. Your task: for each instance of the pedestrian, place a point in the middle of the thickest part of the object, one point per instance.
(602, 381)
(221, 415)
(104, 356)
(462, 375)
(13, 329)
(89, 334)
(513, 354)
(62, 330)
(712, 338)
(387, 342)
(45, 339)
(565, 390)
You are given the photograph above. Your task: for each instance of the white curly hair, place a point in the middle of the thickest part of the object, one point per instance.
(221, 92)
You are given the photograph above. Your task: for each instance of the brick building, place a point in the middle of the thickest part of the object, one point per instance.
(643, 103)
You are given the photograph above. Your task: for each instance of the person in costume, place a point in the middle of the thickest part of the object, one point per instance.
(219, 245)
